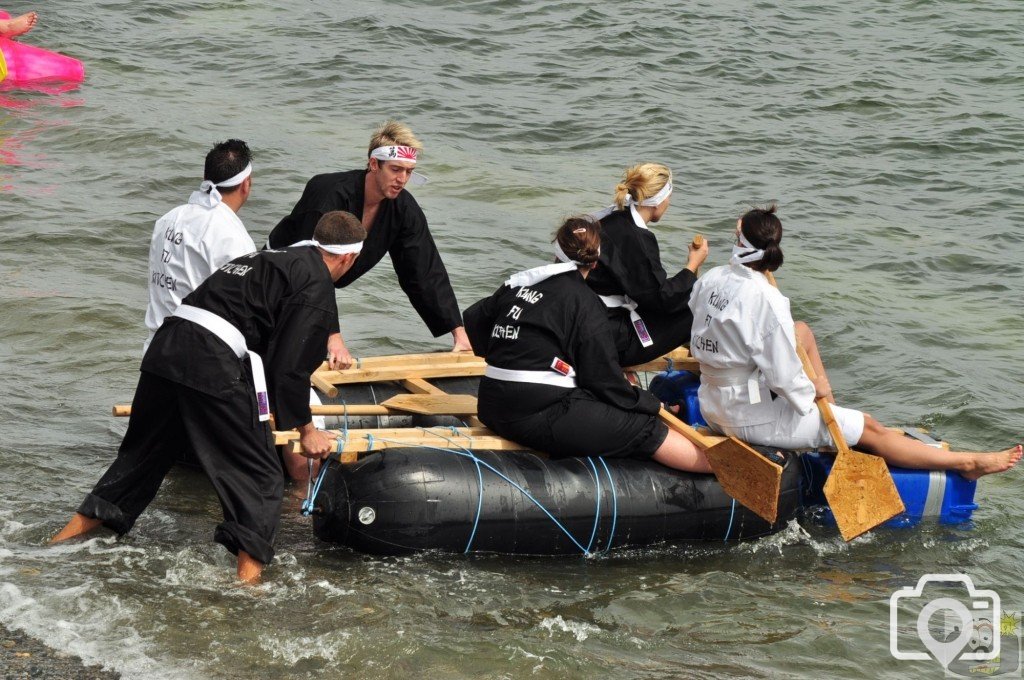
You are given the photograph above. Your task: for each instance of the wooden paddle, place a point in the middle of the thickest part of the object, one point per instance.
(859, 489)
(743, 472)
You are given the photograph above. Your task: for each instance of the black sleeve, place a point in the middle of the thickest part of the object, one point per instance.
(647, 283)
(597, 366)
(299, 225)
(422, 275)
(295, 350)
(479, 320)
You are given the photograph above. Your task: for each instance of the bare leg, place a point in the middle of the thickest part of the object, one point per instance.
(297, 466)
(805, 336)
(18, 25)
(249, 568)
(903, 451)
(680, 453)
(79, 524)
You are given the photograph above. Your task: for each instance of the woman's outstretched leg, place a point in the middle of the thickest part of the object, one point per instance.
(902, 451)
(680, 453)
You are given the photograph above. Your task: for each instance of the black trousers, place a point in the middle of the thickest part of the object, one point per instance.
(567, 422)
(233, 447)
(667, 332)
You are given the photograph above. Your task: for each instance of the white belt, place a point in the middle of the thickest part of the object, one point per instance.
(540, 377)
(233, 338)
(614, 301)
(720, 377)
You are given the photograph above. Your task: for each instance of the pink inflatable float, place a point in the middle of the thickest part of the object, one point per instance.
(22, 64)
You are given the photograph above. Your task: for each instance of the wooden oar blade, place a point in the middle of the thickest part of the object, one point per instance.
(861, 493)
(746, 475)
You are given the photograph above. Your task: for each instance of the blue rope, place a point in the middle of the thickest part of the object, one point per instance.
(309, 503)
(480, 493)
(732, 513)
(479, 504)
(597, 511)
(466, 453)
(615, 505)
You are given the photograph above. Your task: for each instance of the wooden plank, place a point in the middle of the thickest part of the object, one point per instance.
(436, 370)
(318, 381)
(434, 404)
(365, 444)
(662, 364)
(282, 437)
(421, 386)
(416, 359)
(680, 359)
(125, 410)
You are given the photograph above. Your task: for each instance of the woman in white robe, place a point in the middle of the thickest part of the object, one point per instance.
(753, 385)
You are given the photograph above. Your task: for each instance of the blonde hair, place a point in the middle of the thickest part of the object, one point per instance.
(391, 132)
(641, 181)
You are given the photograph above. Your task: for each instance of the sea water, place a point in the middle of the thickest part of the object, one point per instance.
(890, 134)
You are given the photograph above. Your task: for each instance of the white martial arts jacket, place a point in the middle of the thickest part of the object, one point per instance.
(744, 339)
(190, 243)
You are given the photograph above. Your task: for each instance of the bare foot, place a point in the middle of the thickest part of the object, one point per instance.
(989, 463)
(249, 568)
(18, 25)
(79, 524)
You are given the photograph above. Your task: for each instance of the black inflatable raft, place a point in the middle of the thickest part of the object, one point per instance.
(400, 501)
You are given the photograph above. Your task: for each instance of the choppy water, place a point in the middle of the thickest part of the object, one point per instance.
(889, 132)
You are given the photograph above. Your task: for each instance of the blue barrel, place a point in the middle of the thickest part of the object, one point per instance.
(934, 494)
(674, 388)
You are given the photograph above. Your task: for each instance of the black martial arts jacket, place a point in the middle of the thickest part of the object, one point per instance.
(526, 328)
(283, 303)
(631, 265)
(400, 229)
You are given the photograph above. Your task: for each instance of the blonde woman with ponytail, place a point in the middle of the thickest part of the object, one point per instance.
(753, 385)
(648, 310)
(553, 381)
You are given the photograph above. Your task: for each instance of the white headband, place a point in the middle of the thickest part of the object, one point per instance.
(742, 254)
(562, 257)
(209, 188)
(656, 199)
(333, 249)
(395, 153)
(237, 179)
(651, 202)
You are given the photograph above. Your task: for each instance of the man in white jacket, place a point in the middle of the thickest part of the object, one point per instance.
(193, 240)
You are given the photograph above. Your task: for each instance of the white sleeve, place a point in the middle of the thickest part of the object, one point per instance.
(783, 371)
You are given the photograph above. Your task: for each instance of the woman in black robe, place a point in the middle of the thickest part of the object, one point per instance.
(553, 381)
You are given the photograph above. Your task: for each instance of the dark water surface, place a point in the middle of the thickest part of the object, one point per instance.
(889, 132)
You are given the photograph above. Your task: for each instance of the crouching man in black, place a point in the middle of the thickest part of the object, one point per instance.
(204, 386)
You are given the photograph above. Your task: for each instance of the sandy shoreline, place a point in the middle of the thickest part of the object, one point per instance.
(22, 656)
